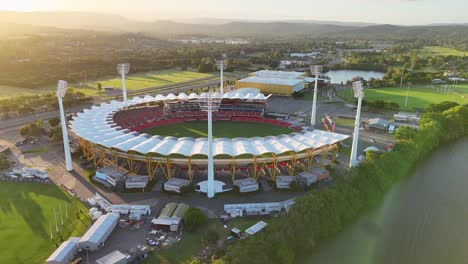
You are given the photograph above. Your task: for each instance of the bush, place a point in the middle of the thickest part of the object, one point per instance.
(210, 237)
(194, 219)
(187, 189)
(4, 162)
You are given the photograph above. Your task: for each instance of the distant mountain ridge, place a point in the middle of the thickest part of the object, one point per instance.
(232, 28)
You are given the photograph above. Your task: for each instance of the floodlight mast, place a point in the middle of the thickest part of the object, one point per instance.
(61, 91)
(222, 65)
(210, 102)
(315, 70)
(123, 69)
(358, 93)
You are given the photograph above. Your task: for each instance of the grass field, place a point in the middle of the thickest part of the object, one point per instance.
(154, 79)
(418, 96)
(25, 212)
(11, 91)
(431, 51)
(221, 129)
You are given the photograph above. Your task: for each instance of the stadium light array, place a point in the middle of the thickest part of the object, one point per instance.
(221, 65)
(358, 90)
(210, 102)
(123, 69)
(61, 91)
(315, 70)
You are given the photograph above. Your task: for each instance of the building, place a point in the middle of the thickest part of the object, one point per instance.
(272, 85)
(170, 218)
(284, 182)
(115, 257)
(274, 82)
(97, 234)
(136, 182)
(111, 174)
(246, 185)
(65, 253)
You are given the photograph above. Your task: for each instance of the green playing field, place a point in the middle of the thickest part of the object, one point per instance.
(221, 129)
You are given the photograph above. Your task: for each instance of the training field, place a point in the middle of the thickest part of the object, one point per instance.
(25, 212)
(431, 51)
(154, 79)
(221, 129)
(418, 97)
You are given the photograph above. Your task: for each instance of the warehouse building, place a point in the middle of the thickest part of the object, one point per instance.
(65, 253)
(115, 257)
(170, 218)
(274, 82)
(97, 234)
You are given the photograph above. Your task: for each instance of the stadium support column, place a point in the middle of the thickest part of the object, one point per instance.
(211, 185)
(358, 93)
(316, 70)
(61, 90)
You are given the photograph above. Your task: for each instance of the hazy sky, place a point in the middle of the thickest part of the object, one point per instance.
(378, 11)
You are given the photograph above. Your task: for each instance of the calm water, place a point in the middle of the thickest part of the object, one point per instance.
(340, 76)
(423, 219)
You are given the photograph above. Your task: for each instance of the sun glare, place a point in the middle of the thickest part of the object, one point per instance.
(25, 5)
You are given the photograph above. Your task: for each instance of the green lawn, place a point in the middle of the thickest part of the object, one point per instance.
(418, 96)
(431, 51)
(11, 91)
(154, 79)
(25, 212)
(221, 129)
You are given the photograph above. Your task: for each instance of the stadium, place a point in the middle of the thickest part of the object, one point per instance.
(126, 135)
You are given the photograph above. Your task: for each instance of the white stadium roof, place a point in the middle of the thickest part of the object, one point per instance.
(91, 125)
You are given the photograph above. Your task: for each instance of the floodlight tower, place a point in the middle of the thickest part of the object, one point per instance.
(315, 70)
(222, 65)
(210, 102)
(123, 69)
(359, 94)
(61, 90)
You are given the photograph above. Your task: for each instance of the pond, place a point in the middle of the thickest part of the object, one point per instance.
(423, 219)
(340, 76)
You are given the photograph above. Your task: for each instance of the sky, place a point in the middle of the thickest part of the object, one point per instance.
(404, 12)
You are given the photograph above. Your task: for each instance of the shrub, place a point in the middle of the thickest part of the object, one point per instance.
(194, 219)
(4, 162)
(187, 189)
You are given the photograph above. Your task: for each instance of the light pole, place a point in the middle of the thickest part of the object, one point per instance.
(61, 91)
(407, 92)
(359, 94)
(210, 102)
(221, 65)
(123, 69)
(315, 70)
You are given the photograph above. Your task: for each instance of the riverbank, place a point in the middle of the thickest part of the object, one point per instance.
(323, 214)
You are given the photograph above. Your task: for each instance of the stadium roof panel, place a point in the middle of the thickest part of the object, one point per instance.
(93, 126)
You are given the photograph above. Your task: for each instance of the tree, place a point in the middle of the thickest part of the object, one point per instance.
(406, 133)
(193, 219)
(99, 87)
(4, 162)
(53, 122)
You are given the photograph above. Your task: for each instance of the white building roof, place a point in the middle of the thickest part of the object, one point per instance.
(63, 251)
(278, 74)
(99, 229)
(256, 228)
(92, 125)
(113, 257)
(272, 80)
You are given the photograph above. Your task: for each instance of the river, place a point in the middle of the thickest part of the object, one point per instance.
(423, 219)
(341, 76)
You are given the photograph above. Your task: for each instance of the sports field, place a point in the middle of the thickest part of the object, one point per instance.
(153, 79)
(26, 209)
(431, 51)
(221, 129)
(418, 96)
